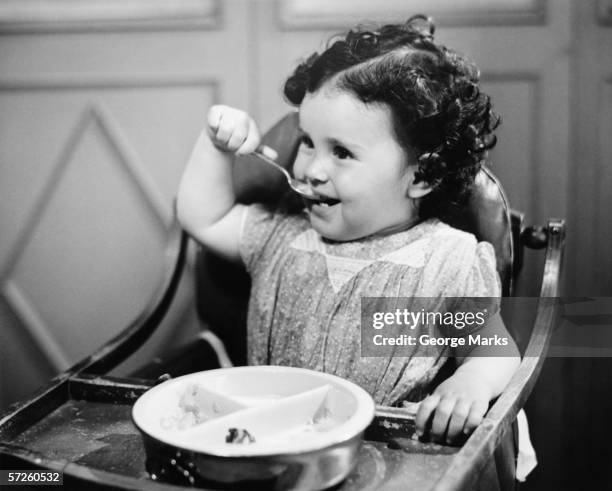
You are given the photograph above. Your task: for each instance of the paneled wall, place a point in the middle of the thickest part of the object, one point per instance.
(100, 102)
(99, 106)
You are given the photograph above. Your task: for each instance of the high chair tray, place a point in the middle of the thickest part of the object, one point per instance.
(83, 428)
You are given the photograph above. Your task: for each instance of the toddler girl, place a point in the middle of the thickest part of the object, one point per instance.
(394, 129)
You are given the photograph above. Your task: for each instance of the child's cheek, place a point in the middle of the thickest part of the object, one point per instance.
(300, 164)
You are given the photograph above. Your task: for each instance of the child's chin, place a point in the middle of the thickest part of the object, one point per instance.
(325, 231)
(331, 233)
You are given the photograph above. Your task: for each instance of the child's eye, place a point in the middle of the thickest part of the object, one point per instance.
(306, 141)
(342, 153)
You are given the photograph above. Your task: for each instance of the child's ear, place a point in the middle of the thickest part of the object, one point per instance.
(417, 188)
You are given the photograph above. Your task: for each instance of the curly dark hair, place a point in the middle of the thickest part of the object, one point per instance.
(439, 114)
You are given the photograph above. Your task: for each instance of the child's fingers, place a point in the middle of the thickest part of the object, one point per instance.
(237, 137)
(232, 129)
(426, 409)
(252, 141)
(225, 129)
(457, 420)
(227, 126)
(213, 118)
(444, 410)
(477, 412)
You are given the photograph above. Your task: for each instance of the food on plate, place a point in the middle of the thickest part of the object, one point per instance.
(322, 420)
(213, 418)
(197, 405)
(239, 435)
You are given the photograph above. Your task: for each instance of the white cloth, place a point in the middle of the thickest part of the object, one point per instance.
(526, 460)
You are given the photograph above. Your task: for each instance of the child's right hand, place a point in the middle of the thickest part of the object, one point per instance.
(232, 130)
(456, 407)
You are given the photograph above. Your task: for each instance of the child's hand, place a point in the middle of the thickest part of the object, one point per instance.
(457, 406)
(232, 130)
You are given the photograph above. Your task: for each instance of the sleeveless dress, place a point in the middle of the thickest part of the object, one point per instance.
(305, 303)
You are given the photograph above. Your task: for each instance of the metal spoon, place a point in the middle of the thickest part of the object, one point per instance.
(300, 187)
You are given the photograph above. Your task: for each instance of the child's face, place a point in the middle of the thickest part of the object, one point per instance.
(350, 156)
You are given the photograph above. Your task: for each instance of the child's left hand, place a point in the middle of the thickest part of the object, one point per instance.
(456, 406)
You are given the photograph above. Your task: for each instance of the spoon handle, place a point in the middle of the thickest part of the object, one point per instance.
(264, 153)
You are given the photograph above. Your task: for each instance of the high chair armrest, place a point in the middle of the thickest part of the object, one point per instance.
(470, 461)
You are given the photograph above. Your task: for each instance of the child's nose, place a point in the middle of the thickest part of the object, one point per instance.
(315, 172)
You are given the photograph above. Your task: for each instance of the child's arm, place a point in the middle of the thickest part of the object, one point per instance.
(206, 202)
(459, 403)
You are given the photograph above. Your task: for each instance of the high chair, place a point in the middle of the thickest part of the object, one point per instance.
(485, 460)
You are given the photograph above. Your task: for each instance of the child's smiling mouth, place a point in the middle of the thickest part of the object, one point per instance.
(322, 201)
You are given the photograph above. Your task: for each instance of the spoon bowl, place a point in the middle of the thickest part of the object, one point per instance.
(300, 187)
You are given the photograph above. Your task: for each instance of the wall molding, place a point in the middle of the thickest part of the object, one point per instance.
(98, 117)
(36, 327)
(42, 16)
(96, 114)
(71, 82)
(534, 80)
(602, 179)
(93, 117)
(323, 14)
